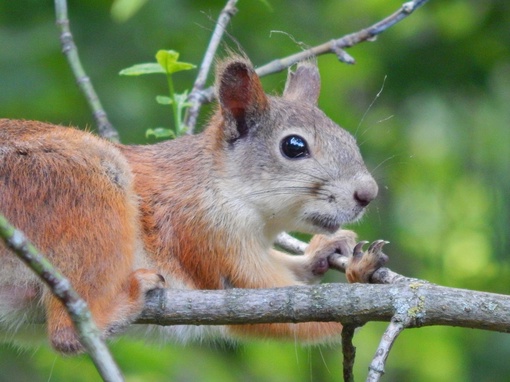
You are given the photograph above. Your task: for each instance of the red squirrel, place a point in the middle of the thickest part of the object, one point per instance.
(197, 212)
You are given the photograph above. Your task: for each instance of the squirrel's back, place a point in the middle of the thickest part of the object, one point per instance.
(48, 171)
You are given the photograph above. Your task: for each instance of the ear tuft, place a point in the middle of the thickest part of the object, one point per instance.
(239, 91)
(304, 84)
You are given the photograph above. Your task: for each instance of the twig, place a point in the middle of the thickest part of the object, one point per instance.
(334, 46)
(347, 41)
(195, 97)
(291, 244)
(387, 276)
(105, 128)
(376, 368)
(349, 352)
(77, 308)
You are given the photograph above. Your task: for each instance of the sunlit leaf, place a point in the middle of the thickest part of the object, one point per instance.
(160, 132)
(139, 69)
(163, 100)
(168, 61)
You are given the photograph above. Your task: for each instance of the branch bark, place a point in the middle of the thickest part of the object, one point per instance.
(423, 303)
(397, 324)
(349, 352)
(196, 93)
(105, 128)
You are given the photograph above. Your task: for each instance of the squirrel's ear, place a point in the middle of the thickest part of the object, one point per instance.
(240, 93)
(304, 84)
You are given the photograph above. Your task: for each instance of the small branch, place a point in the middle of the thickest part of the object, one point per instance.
(347, 41)
(105, 128)
(377, 366)
(195, 97)
(291, 244)
(62, 289)
(386, 276)
(334, 46)
(349, 352)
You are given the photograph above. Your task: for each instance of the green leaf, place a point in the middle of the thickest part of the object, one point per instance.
(139, 69)
(168, 61)
(163, 100)
(160, 132)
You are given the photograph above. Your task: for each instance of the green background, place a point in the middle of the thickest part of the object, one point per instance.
(437, 140)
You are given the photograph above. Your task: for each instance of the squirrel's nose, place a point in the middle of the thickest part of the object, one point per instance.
(366, 192)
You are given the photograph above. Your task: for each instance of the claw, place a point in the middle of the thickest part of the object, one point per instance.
(358, 249)
(377, 245)
(375, 248)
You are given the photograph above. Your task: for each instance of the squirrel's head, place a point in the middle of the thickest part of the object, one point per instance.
(284, 157)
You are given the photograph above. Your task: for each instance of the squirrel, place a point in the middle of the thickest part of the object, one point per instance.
(198, 212)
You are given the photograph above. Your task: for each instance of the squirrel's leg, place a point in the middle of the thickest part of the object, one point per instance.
(99, 264)
(112, 310)
(309, 268)
(298, 270)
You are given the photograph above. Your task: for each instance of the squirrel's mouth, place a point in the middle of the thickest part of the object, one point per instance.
(325, 222)
(332, 223)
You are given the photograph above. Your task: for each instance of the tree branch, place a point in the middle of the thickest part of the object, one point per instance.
(405, 302)
(425, 304)
(347, 41)
(195, 97)
(334, 46)
(105, 128)
(397, 324)
(60, 286)
(349, 352)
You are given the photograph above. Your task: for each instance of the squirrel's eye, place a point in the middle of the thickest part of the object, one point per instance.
(294, 146)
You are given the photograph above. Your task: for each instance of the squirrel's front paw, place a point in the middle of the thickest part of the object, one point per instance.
(362, 264)
(323, 249)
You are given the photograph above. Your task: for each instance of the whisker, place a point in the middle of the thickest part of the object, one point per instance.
(383, 162)
(324, 361)
(290, 191)
(370, 106)
(371, 126)
(331, 177)
(384, 119)
(282, 178)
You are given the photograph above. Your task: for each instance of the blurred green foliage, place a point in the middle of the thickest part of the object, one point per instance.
(437, 140)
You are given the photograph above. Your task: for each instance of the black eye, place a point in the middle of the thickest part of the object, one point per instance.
(294, 147)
